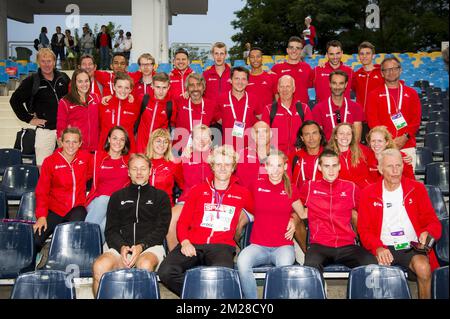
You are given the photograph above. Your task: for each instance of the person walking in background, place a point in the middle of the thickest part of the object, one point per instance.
(309, 38)
(104, 46)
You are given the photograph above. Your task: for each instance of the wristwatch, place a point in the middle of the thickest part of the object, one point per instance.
(407, 135)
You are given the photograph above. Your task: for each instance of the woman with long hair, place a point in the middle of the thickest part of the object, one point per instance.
(352, 155)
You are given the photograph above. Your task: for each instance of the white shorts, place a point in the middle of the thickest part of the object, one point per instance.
(157, 250)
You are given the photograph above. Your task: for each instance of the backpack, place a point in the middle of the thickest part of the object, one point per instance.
(144, 105)
(25, 141)
(273, 111)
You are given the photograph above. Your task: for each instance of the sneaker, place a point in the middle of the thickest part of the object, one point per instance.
(44, 256)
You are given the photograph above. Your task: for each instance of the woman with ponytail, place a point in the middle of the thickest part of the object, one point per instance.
(276, 201)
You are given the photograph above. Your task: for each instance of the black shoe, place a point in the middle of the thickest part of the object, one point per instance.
(44, 256)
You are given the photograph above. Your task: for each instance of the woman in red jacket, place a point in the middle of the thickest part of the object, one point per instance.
(195, 171)
(79, 108)
(165, 171)
(61, 189)
(119, 110)
(110, 173)
(352, 155)
(379, 139)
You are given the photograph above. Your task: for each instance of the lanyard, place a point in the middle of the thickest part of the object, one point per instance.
(111, 83)
(153, 118)
(153, 173)
(388, 99)
(218, 199)
(190, 113)
(331, 111)
(316, 164)
(232, 106)
(92, 87)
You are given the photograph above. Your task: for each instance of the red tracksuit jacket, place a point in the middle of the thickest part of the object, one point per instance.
(320, 78)
(215, 84)
(377, 112)
(374, 174)
(365, 82)
(310, 164)
(178, 82)
(195, 171)
(301, 72)
(417, 204)
(62, 185)
(85, 117)
(164, 174)
(200, 212)
(118, 112)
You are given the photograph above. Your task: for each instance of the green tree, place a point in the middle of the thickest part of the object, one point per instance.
(405, 25)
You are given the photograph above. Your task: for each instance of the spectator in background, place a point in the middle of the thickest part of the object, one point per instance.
(79, 108)
(58, 44)
(394, 212)
(87, 41)
(127, 45)
(337, 108)
(110, 172)
(71, 47)
(396, 106)
(104, 46)
(218, 77)
(180, 73)
(332, 217)
(40, 108)
(43, 39)
(136, 224)
(118, 43)
(445, 57)
(246, 52)
(61, 188)
(352, 155)
(309, 38)
(320, 74)
(208, 222)
(295, 67)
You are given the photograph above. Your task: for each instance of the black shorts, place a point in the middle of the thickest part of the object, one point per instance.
(403, 258)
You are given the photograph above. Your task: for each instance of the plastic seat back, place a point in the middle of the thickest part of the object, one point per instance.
(19, 179)
(9, 157)
(74, 248)
(437, 174)
(441, 247)
(437, 200)
(439, 283)
(293, 282)
(438, 116)
(16, 249)
(436, 142)
(129, 284)
(44, 284)
(377, 282)
(3, 205)
(436, 127)
(211, 283)
(424, 156)
(27, 207)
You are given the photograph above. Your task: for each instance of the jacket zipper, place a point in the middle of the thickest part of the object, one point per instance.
(331, 216)
(118, 113)
(137, 214)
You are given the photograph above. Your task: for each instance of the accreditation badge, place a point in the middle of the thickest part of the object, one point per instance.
(399, 121)
(399, 238)
(238, 129)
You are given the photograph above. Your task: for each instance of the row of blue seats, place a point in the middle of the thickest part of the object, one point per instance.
(287, 282)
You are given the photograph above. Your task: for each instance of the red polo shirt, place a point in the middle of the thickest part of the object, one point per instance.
(301, 72)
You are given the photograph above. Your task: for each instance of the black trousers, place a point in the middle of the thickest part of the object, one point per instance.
(173, 269)
(319, 256)
(77, 213)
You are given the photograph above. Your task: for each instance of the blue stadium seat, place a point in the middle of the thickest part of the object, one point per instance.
(133, 67)
(436, 127)
(22, 70)
(377, 282)
(293, 282)
(424, 156)
(164, 67)
(441, 247)
(129, 284)
(437, 200)
(437, 174)
(19, 179)
(197, 68)
(32, 67)
(436, 142)
(16, 249)
(9, 157)
(439, 283)
(4, 78)
(44, 284)
(211, 283)
(3, 206)
(75, 243)
(27, 207)
(239, 63)
(446, 154)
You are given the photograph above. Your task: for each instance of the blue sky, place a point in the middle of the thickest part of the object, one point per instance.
(215, 26)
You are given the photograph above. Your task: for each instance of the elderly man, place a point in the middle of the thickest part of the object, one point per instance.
(208, 222)
(394, 213)
(286, 115)
(395, 106)
(36, 102)
(137, 221)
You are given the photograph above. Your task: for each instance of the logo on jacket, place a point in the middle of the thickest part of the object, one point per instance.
(126, 112)
(232, 196)
(263, 190)
(410, 201)
(72, 107)
(318, 192)
(375, 204)
(284, 71)
(212, 79)
(106, 167)
(343, 194)
(149, 202)
(60, 166)
(126, 201)
(283, 192)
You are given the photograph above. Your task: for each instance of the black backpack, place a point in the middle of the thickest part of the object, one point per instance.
(25, 141)
(273, 111)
